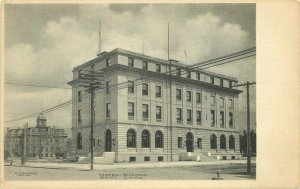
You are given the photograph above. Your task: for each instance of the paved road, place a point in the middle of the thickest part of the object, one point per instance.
(190, 172)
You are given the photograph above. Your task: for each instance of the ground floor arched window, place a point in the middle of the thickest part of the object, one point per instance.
(131, 139)
(145, 139)
(79, 141)
(222, 142)
(231, 142)
(213, 141)
(159, 139)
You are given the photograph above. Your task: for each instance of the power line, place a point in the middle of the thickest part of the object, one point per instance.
(139, 81)
(205, 63)
(34, 85)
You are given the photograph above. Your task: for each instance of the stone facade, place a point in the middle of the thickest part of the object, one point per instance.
(133, 116)
(42, 141)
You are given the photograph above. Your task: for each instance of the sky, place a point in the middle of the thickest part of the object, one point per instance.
(44, 42)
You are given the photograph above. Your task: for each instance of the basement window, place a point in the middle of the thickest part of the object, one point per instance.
(132, 159)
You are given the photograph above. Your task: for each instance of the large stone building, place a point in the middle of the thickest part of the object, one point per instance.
(133, 116)
(42, 141)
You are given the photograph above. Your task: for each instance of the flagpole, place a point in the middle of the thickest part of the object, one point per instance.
(185, 56)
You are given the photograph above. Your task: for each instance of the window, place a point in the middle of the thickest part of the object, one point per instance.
(213, 141)
(212, 101)
(130, 110)
(145, 139)
(188, 74)
(222, 142)
(145, 112)
(178, 94)
(79, 116)
(230, 103)
(145, 89)
(131, 159)
(79, 73)
(199, 143)
(198, 98)
(130, 87)
(212, 80)
(107, 87)
(160, 158)
(221, 83)
(189, 116)
(198, 76)
(230, 84)
(99, 142)
(147, 158)
(158, 113)
(108, 109)
(221, 102)
(79, 96)
(107, 62)
(188, 96)
(178, 72)
(93, 67)
(179, 144)
(158, 140)
(145, 65)
(212, 117)
(131, 139)
(179, 115)
(158, 68)
(231, 142)
(79, 141)
(230, 120)
(130, 62)
(199, 117)
(222, 119)
(158, 91)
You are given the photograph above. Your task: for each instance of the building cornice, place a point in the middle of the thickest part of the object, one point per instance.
(183, 80)
(149, 58)
(104, 124)
(120, 67)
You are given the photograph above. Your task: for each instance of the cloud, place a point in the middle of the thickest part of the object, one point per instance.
(204, 36)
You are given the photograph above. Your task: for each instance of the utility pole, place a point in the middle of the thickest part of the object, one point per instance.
(91, 81)
(99, 47)
(247, 84)
(23, 160)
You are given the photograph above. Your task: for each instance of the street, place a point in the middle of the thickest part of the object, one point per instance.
(229, 171)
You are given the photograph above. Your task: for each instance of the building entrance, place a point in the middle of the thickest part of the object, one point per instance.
(189, 142)
(108, 141)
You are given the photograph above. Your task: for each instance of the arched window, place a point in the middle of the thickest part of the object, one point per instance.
(213, 141)
(131, 139)
(159, 140)
(79, 141)
(231, 142)
(145, 139)
(222, 142)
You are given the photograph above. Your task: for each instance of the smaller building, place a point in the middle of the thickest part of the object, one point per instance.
(41, 141)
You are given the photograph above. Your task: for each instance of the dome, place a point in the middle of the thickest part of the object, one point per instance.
(41, 116)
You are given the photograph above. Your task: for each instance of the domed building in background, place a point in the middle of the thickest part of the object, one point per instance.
(42, 141)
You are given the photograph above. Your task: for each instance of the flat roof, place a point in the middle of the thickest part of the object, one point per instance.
(151, 58)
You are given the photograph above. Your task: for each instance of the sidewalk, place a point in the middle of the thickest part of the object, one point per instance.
(129, 165)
